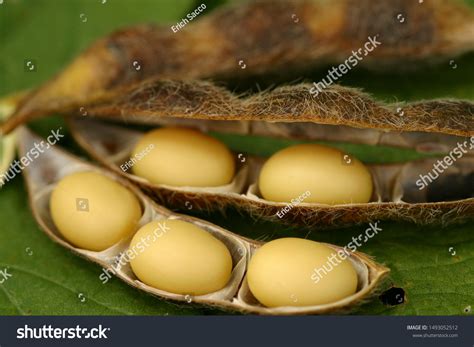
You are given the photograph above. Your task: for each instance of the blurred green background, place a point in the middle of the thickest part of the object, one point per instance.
(48, 280)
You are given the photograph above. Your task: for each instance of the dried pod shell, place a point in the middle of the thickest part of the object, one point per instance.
(42, 175)
(396, 197)
(279, 35)
(335, 114)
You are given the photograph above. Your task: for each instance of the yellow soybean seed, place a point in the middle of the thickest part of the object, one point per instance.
(179, 257)
(321, 174)
(183, 157)
(92, 211)
(287, 272)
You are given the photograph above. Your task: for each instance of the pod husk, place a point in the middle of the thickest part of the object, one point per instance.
(336, 114)
(258, 37)
(395, 195)
(42, 175)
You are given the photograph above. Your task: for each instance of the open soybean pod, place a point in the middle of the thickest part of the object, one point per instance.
(336, 114)
(42, 177)
(258, 37)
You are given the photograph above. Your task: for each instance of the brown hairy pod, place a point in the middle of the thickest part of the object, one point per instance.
(337, 113)
(42, 176)
(258, 37)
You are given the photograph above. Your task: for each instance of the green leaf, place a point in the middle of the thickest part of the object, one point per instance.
(48, 279)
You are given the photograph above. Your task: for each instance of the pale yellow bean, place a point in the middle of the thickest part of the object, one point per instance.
(318, 173)
(93, 211)
(183, 157)
(179, 257)
(285, 272)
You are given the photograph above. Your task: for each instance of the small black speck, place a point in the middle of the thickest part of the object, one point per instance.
(392, 297)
